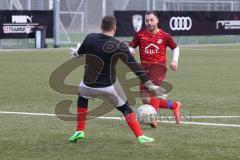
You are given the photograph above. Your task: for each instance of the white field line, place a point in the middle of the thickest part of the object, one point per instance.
(160, 117)
(205, 124)
(206, 117)
(119, 118)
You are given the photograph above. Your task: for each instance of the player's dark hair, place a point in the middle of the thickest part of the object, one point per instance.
(152, 12)
(108, 23)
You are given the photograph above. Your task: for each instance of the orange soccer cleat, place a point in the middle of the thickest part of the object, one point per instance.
(177, 112)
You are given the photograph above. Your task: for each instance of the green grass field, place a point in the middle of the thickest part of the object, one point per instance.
(207, 83)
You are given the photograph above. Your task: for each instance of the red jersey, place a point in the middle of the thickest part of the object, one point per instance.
(152, 47)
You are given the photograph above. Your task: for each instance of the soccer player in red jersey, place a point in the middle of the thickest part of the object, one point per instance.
(152, 42)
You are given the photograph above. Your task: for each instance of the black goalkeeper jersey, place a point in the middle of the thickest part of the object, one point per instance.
(102, 53)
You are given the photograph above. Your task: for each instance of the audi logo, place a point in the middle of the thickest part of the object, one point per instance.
(180, 23)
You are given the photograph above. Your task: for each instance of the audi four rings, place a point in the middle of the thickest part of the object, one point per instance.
(180, 23)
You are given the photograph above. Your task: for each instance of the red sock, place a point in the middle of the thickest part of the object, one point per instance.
(174, 105)
(167, 104)
(81, 118)
(159, 103)
(154, 102)
(133, 124)
(163, 104)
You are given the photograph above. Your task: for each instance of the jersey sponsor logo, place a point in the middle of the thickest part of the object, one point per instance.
(159, 41)
(151, 49)
(137, 22)
(180, 23)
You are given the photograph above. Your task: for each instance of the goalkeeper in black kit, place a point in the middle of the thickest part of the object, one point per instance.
(102, 51)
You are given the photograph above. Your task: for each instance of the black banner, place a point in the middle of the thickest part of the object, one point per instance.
(22, 24)
(181, 22)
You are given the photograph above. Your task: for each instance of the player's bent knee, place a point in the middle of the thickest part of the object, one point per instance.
(125, 109)
(82, 102)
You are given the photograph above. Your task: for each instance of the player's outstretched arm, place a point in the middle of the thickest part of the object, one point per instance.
(74, 51)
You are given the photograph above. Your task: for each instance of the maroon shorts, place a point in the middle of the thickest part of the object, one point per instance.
(156, 73)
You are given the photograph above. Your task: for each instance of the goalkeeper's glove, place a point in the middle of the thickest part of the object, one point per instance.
(157, 90)
(132, 50)
(74, 51)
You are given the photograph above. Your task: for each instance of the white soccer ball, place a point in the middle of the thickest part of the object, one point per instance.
(146, 114)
